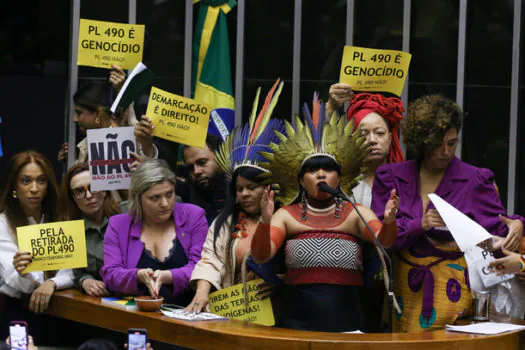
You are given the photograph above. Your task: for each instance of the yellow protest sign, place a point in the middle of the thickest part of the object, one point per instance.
(54, 246)
(374, 70)
(178, 118)
(229, 302)
(103, 44)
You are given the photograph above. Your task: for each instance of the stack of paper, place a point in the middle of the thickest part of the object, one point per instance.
(485, 328)
(188, 316)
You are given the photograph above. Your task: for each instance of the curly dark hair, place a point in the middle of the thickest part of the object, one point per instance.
(427, 121)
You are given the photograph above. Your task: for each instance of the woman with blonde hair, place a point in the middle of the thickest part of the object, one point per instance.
(155, 246)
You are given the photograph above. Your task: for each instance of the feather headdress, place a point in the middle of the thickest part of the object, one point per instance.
(243, 146)
(334, 138)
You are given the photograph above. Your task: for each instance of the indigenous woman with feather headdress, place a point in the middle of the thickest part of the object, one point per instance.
(230, 235)
(322, 235)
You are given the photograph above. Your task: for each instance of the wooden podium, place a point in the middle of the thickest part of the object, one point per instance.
(73, 305)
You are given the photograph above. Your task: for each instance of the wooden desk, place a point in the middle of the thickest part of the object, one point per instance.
(73, 305)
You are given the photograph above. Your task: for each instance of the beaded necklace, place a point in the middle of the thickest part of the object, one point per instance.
(320, 210)
(240, 227)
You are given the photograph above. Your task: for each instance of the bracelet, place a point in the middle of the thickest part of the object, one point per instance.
(522, 263)
(260, 222)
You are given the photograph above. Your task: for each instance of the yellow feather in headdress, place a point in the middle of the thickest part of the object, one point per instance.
(347, 148)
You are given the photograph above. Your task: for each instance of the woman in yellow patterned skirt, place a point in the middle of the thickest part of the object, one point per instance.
(431, 277)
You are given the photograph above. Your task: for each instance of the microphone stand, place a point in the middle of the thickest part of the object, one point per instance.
(388, 266)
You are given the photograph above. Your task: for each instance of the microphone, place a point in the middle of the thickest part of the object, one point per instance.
(324, 187)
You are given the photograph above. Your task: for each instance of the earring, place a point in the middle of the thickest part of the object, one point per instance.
(304, 202)
(15, 195)
(97, 120)
(338, 203)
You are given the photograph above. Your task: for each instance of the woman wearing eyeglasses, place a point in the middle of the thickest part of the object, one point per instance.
(95, 207)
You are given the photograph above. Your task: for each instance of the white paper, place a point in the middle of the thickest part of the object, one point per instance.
(111, 146)
(355, 332)
(478, 261)
(138, 68)
(466, 232)
(187, 316)
(485, 328)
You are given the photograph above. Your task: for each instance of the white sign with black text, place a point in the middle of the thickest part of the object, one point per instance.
(109, 157)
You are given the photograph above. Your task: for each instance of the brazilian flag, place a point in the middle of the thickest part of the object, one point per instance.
(211, 70)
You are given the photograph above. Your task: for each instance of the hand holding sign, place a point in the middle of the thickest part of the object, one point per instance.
(144, 134)
(513, 239)
(21, 260)
(117, 76)
(511, 264)
(265, 290)
(339, 94)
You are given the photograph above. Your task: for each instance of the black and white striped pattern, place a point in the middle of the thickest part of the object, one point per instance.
(324, 252)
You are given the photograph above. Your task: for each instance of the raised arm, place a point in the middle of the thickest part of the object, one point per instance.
(385, 232)
(408, 227)
(339, 94)
(271, 230)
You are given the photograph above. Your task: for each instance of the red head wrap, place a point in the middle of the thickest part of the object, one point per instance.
(390, 108)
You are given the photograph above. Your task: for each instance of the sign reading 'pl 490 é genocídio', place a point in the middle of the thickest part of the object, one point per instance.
(374, 70)
(103, 44)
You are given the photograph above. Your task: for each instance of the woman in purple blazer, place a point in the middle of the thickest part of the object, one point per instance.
(432, 285)
(154, 247)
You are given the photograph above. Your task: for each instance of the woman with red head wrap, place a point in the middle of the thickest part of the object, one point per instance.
(379, 118)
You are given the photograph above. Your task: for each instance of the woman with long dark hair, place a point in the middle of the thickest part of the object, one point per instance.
(322, 235)
(29, 197)
(230, 235)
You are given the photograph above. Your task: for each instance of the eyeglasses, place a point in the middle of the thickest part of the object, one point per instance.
(80, 192)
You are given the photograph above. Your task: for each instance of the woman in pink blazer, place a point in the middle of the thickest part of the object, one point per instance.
(154, 247)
